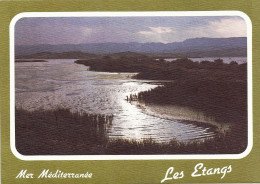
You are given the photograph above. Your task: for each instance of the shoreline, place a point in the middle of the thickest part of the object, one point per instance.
(30, 61)
(175, 112)
(113, 75)
(91, 131)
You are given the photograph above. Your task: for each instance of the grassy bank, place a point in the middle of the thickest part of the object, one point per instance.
(226, 101)
(61, 132)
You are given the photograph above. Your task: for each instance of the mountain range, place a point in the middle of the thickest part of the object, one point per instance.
(234, 46)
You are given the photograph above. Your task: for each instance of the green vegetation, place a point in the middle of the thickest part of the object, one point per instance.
(124, 64)
(57, 132)
(61, 132)
(162, 70)
(226, 101)
(229, 143)
(217, 89)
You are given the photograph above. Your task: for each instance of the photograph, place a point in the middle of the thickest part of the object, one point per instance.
(131, 85)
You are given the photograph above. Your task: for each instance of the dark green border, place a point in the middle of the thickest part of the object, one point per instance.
(244, 170)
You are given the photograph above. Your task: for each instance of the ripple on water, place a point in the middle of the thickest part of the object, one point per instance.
(62, 83)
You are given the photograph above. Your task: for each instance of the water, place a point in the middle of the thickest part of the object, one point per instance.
(239, 60)
(62, 83)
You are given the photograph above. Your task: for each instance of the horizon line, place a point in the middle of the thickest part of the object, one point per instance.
(131, 42)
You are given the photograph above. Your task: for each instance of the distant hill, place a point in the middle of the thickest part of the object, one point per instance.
(239, 52)
(199, 45)
(126, 55)
(234, 52)
(53, 55)
(81, 55)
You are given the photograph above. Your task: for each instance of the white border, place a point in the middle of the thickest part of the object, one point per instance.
(132, 14)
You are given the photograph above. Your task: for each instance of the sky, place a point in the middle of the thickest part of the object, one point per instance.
(80, 30)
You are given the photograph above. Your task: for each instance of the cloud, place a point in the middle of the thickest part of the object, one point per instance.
(219, 28)
(51, 34)
(86, 31)
(155, 34)
(229, 27)
(223, 28)
(103, 34)
(156, 30)
(165, 30)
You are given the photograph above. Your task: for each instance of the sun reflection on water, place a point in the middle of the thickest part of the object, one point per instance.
(61, 83)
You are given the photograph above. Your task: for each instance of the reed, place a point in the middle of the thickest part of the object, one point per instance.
(62, 132)
(233, 142)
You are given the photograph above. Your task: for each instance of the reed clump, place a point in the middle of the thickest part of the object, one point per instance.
(60, 131)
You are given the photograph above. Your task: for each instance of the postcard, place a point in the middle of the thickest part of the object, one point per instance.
(112, 95)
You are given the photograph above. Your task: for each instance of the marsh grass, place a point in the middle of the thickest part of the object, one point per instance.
(219, 90)
(62, 132)
(224, 101)
(59, 131)
(232, 142)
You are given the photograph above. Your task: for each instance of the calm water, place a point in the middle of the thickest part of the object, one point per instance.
(239, 60)
(61, 83)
